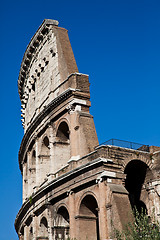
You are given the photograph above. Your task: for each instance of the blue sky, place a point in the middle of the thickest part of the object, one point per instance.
(116, 42)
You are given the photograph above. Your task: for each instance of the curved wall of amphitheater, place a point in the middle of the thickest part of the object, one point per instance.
(72, 188)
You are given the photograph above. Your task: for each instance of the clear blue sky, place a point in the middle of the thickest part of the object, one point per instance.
(116, 42)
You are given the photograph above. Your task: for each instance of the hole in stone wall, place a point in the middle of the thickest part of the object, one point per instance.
(136, 174)
(34, 153)
(33, 87)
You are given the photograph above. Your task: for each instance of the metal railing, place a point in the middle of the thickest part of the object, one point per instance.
(126, 144)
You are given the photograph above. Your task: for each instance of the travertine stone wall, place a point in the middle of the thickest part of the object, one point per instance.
(55, 108)
(48, 61)
(71, 186)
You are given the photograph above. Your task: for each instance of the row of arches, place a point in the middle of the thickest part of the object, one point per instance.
(62, 135)
(88, 222)
(60, 229)
(42, 228)
(51, 154)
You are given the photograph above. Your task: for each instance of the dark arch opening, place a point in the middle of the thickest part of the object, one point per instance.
(135, 177)
(61, 224)
(44, 228)
(63, 131)
(89, 210)
(33, 157)
(64, 213)
(34, 154)
(46, 142)
(45, 147)
(44, 222)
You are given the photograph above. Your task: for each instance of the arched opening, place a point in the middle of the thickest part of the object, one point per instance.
(44, 158)
(61, 225)
(136, 172)
(88, 219)
(33, 158)
(46, 142)
(44, 228)
(63, 132)
(33, 87)
(45, 146)
(62, 145)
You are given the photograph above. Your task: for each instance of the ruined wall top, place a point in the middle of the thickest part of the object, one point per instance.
(48, 61)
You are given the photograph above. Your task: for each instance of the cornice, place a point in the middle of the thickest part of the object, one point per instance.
(31, 48)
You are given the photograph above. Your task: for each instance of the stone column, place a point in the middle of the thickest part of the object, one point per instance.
(102, 210)
(26, 235)
(50, 221)
(38, 174)
(72, 220)
(154, 200)
(29, 174)
(52, 152)
(34, 226)
(151, 196)
(74, 134)
(157, 200)
(25, 181)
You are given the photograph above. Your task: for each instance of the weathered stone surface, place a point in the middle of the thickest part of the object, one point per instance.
(71, 186)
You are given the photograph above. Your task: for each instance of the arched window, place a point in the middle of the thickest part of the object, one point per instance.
(62, 145)
(62, 224)
(46, 142)
(45, 147)
(89, 211)
(33, 158)
(44, 227)
(63, 212)
(63, 132)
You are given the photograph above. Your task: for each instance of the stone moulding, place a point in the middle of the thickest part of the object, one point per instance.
(30, 50)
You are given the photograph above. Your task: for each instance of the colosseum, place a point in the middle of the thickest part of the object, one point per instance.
(74, 187)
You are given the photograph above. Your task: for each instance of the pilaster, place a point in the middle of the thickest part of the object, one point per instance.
(50, 221)
(72, 215)
(102, 210)
(52, 149)
(29, 173)
(38, 173)
(26, 233)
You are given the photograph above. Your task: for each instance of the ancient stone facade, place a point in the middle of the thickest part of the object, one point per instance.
(73, 188)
